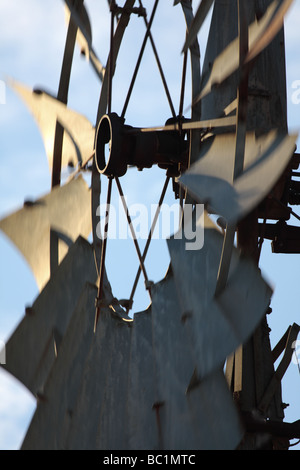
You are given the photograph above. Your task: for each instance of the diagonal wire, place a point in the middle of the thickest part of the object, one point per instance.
(103, 254)
(148, 241)
(133, 234)
(139, 60)
(159, 66)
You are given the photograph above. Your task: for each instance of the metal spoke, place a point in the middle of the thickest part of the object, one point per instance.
(209, 124)
(109, 92)
(142, 266)
(103, 254)
(159, 66)
(139, 60)
(148, 241)
(183, 80)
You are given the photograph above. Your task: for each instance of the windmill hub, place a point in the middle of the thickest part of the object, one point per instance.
(119, 146)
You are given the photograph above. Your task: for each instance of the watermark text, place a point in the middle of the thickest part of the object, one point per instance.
(187, 223)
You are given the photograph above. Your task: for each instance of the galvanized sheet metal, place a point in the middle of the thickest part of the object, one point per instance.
(31, 350)
(210, 179)
(100, 416)
(216, 326)
(84, 36)
(79, 133)
(267, 102)
(187, 415)
(64, 210)
(50, 425)
(142, 424)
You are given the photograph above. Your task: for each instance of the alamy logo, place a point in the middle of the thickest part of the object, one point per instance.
(296, 355)
(2, 92)
(141, 216)
(2, 353)
(296, 93)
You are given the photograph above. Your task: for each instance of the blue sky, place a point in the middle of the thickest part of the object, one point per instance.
(32, 36)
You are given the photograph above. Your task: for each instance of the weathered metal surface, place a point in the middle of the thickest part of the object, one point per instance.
(267, 103)
(50, 425)
(197, 23)
(228, 320)
(186, 402)
(261, 33)
(210, 179)
(65, 210)
(104, 390)
(79, 134)
(84, 35)
(100, 415)
(31, 350)
(142, 424)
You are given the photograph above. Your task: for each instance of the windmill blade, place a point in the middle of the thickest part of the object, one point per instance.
(197, 23)
(261, 33)
(142, 423)
(79, 135)
(32, 349)
(211, 320)
(114, 377)
(65, 211)
(210, 179)
(50, 425)
(269, 33)
(84, 35)
(194, 412)
(101, 401)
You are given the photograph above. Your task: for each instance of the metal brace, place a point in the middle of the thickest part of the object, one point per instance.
(140, 11)
(286, 344)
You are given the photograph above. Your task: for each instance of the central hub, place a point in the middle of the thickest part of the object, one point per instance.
(119, 146)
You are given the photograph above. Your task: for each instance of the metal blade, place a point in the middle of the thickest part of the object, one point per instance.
(101, 402)
(65, 211)
(216, 328)
(261, 33)
(142, 424)
(31, 350)
(272, 29)
(84, 36)
(197, 23)
(210, 180)
(50, 424)
(79, 134)
(118, 400)
(191, 413)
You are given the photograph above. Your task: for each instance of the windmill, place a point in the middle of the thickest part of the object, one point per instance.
(103, 379)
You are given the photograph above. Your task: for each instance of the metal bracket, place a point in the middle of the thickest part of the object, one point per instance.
(140, 11)
(286, 343)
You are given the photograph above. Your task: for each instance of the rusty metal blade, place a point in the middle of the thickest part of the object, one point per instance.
(50, 425)
(32, 348)
(210, 320)
(261, 33)
(84, 36)
(65, 210)
(197, 23)
(210, 180)
(79, 134)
